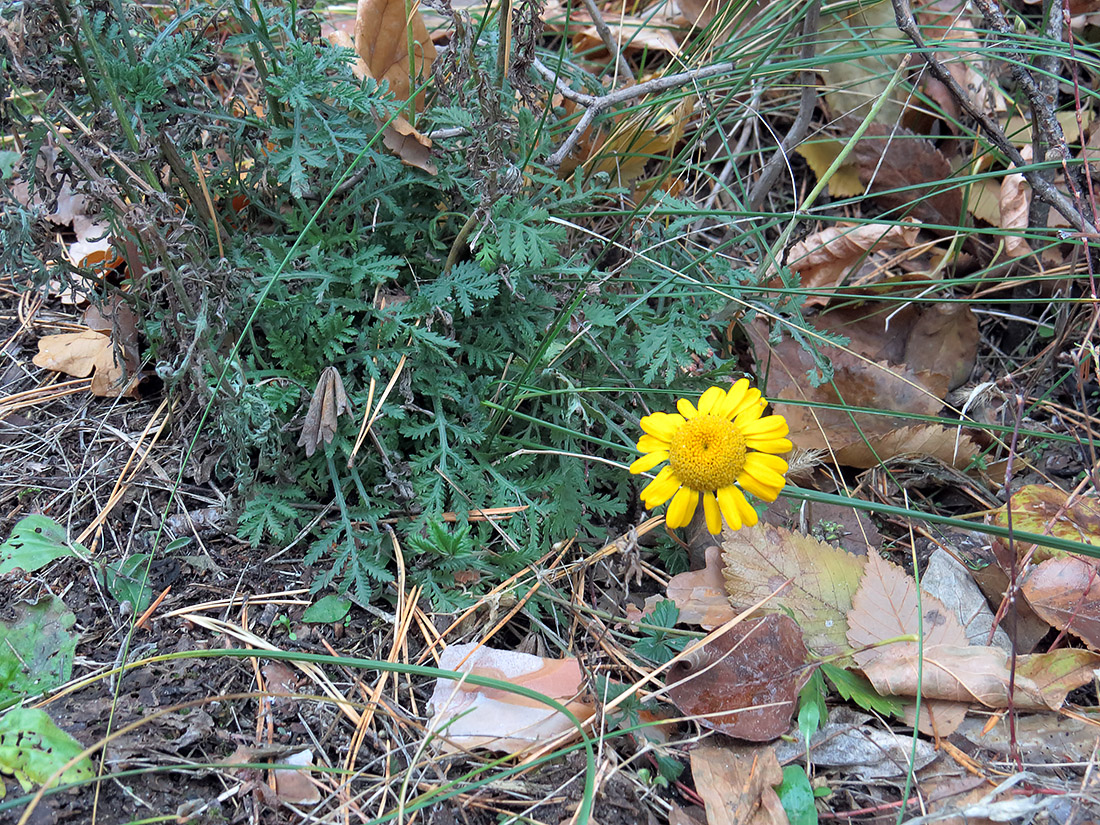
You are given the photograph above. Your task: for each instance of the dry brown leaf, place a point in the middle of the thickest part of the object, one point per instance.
(952, 23)
(1065, 592)
(633, 143)
(1037, 508)
(73, 353)
(981, 674)
(744, 683)
(408, 144)
(919, 441)
(383, 30)
(824, 579)
(400, 136)
(81, 354)
(470, 716)
(886, 606)
(938, 342)
(874, 385)
(699, 594)
(820, 154)
(825, 258)
(700, 12)
(738, 785)
(328, 404)
(907, 366)
(293, 785)
(1014, 205)
(892, 158)
(943, 341)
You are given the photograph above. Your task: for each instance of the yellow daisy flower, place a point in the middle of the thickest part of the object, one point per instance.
(708, 454)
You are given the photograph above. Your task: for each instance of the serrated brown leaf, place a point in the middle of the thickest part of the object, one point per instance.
(744, 683)
(824, 579)
(892, 158)
(328, 404)
(886, 606)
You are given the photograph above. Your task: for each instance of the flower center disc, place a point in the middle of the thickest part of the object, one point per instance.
(707, 453)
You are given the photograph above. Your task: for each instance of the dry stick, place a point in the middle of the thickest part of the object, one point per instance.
(622, 68)
(806, 104)
(1042, 188)
(1046, 76)
(600, 104)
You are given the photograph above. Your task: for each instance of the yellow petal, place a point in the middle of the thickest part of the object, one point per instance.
(662, 425)
(733, 399)
(770, 426)
(769, 445)
(682, 508)
(648, 462)
(712, 398)
(686, 408)
(728, 505)
(660, 490)
(752, 399)
(713, 514)
(760, 487)
(750, 412)
(748, 514)
(772, 463)
(651, 443)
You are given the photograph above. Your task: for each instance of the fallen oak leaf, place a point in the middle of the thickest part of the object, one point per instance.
(329, 402)
(73, 353)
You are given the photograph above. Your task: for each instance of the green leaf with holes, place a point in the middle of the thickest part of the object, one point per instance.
(36, 648)
(34, 542)
(33, 748)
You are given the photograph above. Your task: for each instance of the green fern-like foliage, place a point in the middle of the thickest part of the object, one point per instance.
(504, 357)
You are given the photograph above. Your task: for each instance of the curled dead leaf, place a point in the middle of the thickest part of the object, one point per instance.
(826, 258)
(80, 354)
(328, 404)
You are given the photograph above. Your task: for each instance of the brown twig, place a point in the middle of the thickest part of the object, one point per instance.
(806, 104)
(1042, 188)
(598, 105)
(622, 68)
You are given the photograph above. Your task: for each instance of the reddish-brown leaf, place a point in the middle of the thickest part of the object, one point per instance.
(892, 158)
(1065, 592)
(744, 683)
